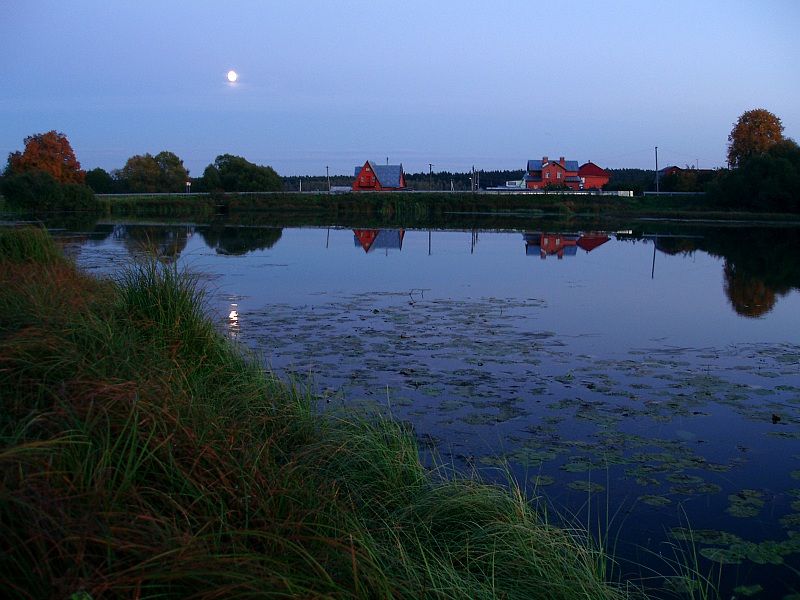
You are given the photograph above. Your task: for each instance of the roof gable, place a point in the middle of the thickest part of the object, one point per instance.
(591, 169)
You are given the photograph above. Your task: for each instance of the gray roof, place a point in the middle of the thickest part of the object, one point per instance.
(387, 175)
(387, 239)
(536, 165)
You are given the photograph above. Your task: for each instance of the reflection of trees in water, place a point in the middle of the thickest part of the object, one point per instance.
(165, 241)
(677, 245)
(749, 296)
(761, 264)
(239, 240)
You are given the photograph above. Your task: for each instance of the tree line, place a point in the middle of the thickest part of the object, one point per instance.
(763, 174)
(165, 172)
(47, 176)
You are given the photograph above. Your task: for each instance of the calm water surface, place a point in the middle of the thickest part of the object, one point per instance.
(654, 381)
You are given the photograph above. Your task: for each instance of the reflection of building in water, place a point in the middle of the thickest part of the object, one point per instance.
(233, 321)
(386, 239)
(561, 244)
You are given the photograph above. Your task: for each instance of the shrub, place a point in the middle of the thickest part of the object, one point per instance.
(38, 191)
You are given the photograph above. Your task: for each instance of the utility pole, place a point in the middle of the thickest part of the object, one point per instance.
(328, 175)
(430, 176)
(656, 169)
(472, 180)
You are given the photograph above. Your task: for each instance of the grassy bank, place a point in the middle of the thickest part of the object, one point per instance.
(143, 455)
(427, 206)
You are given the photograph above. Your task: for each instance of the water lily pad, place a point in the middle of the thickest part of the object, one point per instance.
(711, 537)
(579, 466)
(586, 486)
(653, 500)
(768, 552)
(746, 503)
(683, 478)
(722, 555)
(748, 590)
(647, 481)
(542, 480)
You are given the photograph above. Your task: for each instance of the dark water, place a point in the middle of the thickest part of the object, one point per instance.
(646, 383)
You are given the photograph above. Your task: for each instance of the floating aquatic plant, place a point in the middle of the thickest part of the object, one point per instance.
(746, 503)
(653, 500)
(586, 486)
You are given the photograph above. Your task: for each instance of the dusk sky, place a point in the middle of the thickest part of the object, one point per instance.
(333, 84)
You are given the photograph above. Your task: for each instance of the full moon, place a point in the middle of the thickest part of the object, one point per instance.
(232, 76)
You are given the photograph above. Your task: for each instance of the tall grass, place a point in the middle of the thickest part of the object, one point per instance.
(143, 455)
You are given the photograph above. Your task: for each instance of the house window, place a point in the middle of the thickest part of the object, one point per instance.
(558, 175)
(367, 169)
(547, 175)
(362, 179)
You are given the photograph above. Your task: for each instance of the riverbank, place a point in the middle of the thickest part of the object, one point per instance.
(145, 455)
(409, 209)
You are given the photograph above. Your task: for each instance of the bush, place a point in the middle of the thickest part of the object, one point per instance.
(769, 182)
(38, 191)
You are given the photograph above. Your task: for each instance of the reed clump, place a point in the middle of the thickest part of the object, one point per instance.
(144, 455)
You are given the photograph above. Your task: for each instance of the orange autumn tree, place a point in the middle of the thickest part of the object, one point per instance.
(49, 152)
(753, 135)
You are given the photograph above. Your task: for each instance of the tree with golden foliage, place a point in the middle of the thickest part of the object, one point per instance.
(754, 133)
(49, 152)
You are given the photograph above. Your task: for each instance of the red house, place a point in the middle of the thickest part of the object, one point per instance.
(379, 178)
(544, 174)
(592, 176)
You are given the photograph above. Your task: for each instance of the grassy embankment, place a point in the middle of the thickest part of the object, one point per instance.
(143, 455)
(421, 207)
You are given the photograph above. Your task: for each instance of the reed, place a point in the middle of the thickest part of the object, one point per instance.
(144, 455)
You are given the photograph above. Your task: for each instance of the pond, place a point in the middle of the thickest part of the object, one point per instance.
(644, 383)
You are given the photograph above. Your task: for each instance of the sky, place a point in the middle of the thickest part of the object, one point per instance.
(324, 86)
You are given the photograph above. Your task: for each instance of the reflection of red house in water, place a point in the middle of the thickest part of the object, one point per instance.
(387, 239)
(590, 241)
(561, 244)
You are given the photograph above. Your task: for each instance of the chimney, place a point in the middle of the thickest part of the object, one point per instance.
(561, 161)
(544, 160)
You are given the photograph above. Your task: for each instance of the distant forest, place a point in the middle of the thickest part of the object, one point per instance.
(638, 180)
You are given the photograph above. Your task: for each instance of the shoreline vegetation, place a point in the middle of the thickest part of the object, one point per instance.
(425, 210)
(407, 209)
(144, 454)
